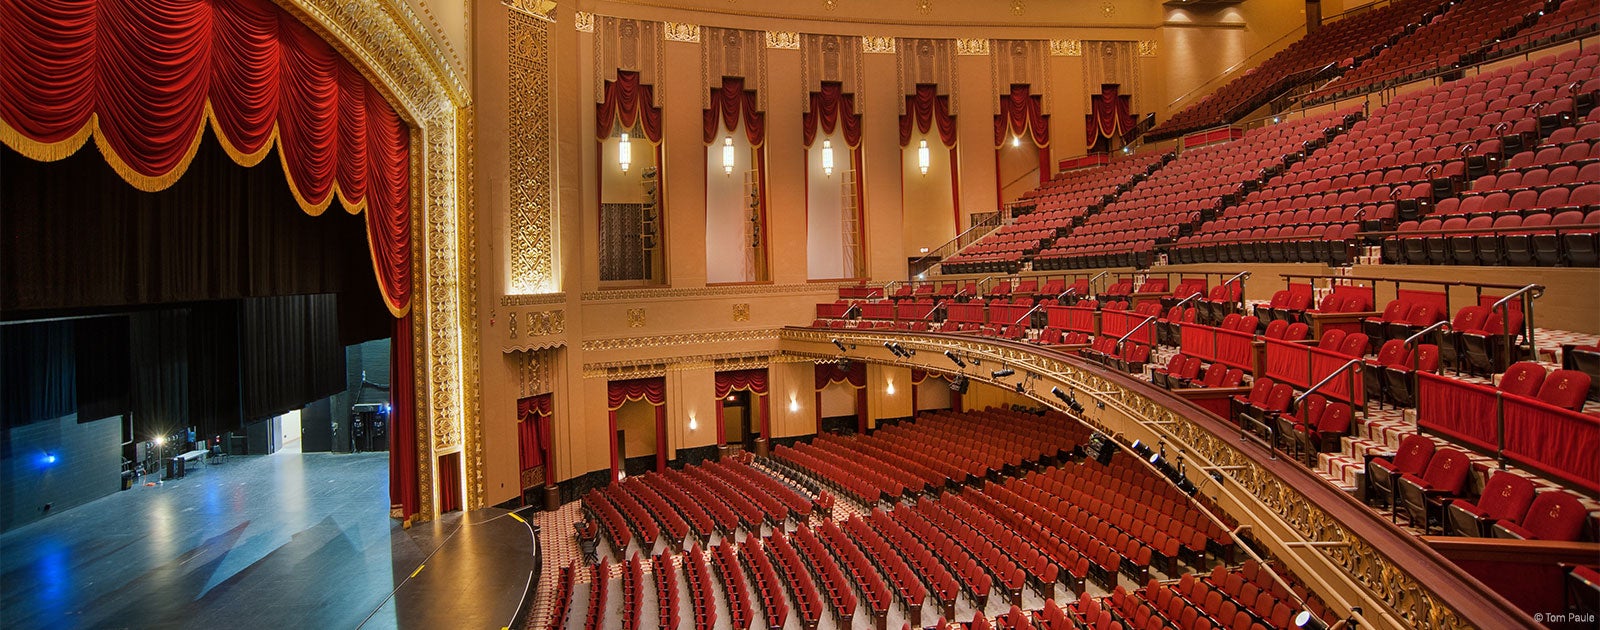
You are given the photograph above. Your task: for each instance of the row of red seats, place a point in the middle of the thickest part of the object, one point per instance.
(801, 587)
(1568, 238)
(777, 495)
(700, 519)
(1006, 555)
(1573, 18)
(934, 570)
(1316, 427)
(845, 474)
(971, 577)
(868, 581)
(1138, 535)
(726, 517)
(1108, 551)
(599, 506)
(734, 590)
(701, 596)
(826, 572)
(768, 586)
(562, 598)
(1183, 371)
(1138, 487)
(667, 598)
(1130, 357)
(665, 515)
(752, 512)
(632, 601)
(907, 585)
(599, 590)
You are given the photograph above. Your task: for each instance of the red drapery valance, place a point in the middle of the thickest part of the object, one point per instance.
(753, 381)
(650, 390)
(533, 430)
(925, 108)
(1109, 115)
(144, 78)
(1022, 114)
(627, 103)
(728, 104)
(828, 373)
(832, 108)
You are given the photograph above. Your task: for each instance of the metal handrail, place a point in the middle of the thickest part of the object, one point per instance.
(1092, 280)
(1241, 276)
(1326, 379)
(1534, 291)
(1411, 342)
(1135, 329)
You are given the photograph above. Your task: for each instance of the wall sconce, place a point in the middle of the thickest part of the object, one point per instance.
(923, 156)
(827, 158)
(889, 388)
(693, 423)
(1016, 141)
(624, 153)
(727, 155)
(794, 405)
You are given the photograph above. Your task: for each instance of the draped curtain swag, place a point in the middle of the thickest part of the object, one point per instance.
(831, 109)
(856, 376)
(627, 45)
(145, 78)
(627, 103)
(650, 390)
(1013, 61)
(926, 62)
(1112, 62)
(753, 381)
(925, 109)
(1021, 114)
(729, 52)
(1110, 115)
(729, 103)
(830, 58)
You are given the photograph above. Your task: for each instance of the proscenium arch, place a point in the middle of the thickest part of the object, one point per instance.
(388, 45)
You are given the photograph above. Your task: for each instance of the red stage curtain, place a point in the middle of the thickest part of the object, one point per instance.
(404, 498)
(753, 381)
(830, 109)
(1021, 114)
(827, 373)
(143, 77)
(925, 108)
(533, 430)
(1109, 115)
(627, 102)
(728, 103)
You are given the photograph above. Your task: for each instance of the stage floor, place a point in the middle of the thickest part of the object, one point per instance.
(278, 541)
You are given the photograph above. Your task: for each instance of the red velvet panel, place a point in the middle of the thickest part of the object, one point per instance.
(1109, 115)
(1289, 363)
(1115, 324)
(650, 390)
(1557, 441)
(627, 102)
(1071, 318)
(404, 496)
(830, 109)
(1464, 412)
(924, 109)
(533, 430)
(729, 104)
(1022, 114)
(142, 77)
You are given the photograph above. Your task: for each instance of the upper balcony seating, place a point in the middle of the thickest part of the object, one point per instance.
(1384, 472)
(1505, 497)
(1342, 43)
(1553, 515)
(1424, 496)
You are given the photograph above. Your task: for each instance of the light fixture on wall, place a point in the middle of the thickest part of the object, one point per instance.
(923, 157)
(889, 388)
(693, 423)
(727, 155)
(794, 405)
(1016, 141)
(827, 158)
(624, 153)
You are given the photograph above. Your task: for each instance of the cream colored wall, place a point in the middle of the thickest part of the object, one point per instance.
(888, 393)
(637, 422)
(1202, 43)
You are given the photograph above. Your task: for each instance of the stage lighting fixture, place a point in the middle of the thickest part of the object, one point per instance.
(959, 384)
(889, 345)
(955, 359)
(1307, 621)
(842, 347)
(1020, 389)
(1002, 373)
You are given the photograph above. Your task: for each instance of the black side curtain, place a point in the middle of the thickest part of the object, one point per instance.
(292, 354)
(37, 372)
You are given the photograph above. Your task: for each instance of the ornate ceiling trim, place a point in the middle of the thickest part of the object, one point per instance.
(661, 341)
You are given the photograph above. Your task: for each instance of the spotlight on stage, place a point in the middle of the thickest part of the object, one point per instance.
(889, 345)
(1307, 621)
(955, 359)
(1002, 373)
(842, 347)
(1071, 402)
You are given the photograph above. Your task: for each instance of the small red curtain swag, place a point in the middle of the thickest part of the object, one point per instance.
(628, 104)
(925, 109)
(650, 390)
(533, 432)
(856, 376)
(729, 104)
(832, 109)
(1109, 116)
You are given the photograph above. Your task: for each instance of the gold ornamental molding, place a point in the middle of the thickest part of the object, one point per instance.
(583, 21)
(877, 45)
(1066, 48)
(386, 42)
(1412, 602)
(741, 312)
(540, 324)
(542, 9)
(783, 40)
(538, 299)
(660, 341)
(1147, 48)
(548, 343)
(634, 295)
(972, 47)
(636, 318)
(723, 362)
(681, 32)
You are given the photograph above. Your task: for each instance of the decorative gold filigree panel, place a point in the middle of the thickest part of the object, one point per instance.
(783, 40)
(531, 223)
(682, 32)
(878, 45)
(636, 318)
(741, 312)
(1066, 48)
(972, 46)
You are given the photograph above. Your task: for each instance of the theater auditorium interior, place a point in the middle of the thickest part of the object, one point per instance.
(800, 315)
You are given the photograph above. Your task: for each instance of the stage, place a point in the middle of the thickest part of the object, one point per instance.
(278, 541)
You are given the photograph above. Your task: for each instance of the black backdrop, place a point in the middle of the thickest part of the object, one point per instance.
(212, 303)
